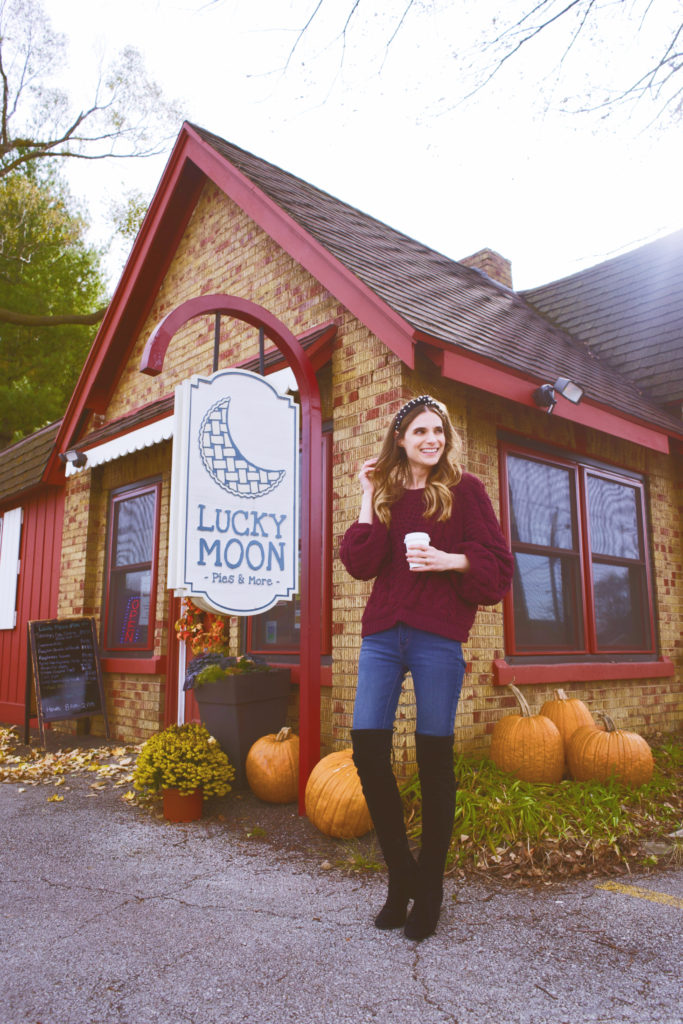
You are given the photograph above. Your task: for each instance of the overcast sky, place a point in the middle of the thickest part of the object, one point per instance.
(381, 127)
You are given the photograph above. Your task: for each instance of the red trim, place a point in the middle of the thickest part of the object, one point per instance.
(155, 666)
(319, 352)
(581, 671)
(174, 611)
(582, 550)
(122, 426)
(125, 494)
(311, 486)
(309, 253)
(151, 255)
(475, 371)
(326, 627)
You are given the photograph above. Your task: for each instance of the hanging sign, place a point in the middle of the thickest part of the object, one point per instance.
(234, 530)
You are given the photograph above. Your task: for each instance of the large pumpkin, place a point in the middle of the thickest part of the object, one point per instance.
(568, 714)
(334, 797)
(528, 746)
(272, 767)
(596, 754)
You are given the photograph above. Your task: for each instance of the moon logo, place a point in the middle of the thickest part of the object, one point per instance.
(226, 464)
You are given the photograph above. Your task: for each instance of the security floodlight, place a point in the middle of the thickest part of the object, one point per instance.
(545, 395)
(572, 392)
(77, 458)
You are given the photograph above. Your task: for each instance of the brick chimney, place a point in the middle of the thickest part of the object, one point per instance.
(492, 264)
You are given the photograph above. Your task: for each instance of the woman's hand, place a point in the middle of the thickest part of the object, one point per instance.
(429, 559)
(368, 488)
(365, 477)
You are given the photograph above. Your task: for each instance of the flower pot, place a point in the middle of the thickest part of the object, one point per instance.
(182, 806)
(239, 709)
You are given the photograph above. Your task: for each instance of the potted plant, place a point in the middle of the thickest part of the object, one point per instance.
(240, 698)
(185, 764)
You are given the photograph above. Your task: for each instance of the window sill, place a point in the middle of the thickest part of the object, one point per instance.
(581, 671)
(150, 666)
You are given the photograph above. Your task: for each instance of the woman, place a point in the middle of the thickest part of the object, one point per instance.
(420, 611)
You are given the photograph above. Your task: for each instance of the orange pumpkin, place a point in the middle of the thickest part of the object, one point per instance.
(568, 713)
(272, 767)
(596, 754)
(528, 746)
(334, 797)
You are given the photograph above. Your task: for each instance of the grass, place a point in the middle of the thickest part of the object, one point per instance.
(525, 831)
(356, 859)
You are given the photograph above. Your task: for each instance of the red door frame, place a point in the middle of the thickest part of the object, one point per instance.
(311, 484)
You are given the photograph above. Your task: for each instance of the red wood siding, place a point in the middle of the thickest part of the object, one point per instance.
(37, 591)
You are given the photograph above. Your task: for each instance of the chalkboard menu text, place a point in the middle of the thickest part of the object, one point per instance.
(64, 658)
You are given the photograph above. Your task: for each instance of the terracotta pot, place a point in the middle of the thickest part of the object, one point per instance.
(183, 806)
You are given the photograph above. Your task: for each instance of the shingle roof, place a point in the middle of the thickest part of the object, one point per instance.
(629, 311)
(22, 464)
(436, 295)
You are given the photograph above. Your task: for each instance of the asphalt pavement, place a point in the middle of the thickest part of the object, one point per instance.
(110, 916)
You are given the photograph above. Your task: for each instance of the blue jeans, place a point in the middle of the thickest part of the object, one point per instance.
(436, 665)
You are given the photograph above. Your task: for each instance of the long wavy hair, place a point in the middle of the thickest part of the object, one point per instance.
(391, 474)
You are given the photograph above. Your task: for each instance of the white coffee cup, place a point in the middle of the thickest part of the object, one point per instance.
(416, 539)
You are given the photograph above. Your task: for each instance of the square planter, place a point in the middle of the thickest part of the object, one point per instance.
(239, 709)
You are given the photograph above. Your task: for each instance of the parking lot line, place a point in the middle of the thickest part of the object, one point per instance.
(643, 894)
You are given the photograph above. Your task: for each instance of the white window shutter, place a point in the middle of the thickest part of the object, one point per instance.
(9, 567)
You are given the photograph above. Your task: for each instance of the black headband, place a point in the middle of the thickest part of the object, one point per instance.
(420, 400)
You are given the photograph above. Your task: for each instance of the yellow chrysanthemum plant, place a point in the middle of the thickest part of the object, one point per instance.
(183, 757)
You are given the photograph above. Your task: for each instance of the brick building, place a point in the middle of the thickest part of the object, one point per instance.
(590, 495)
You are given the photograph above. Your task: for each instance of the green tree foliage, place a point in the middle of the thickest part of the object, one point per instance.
(46, 267)
(127, 214)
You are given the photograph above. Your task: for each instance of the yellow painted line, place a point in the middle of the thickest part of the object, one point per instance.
(643, 894)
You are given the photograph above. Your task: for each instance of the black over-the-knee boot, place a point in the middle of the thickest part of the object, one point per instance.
(437, 781)
(372, 757)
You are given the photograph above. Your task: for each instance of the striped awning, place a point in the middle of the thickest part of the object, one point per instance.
(125, 444)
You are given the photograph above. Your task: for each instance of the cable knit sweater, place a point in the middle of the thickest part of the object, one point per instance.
(437, 602)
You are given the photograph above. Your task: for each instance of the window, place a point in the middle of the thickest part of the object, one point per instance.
(132, 569)
(278, 631)
(581, 582)
(10, 539)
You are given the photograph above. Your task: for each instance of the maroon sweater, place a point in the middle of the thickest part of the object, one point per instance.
(437, 602)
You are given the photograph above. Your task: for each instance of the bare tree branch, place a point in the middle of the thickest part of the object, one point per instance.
(532, 33)
(127, 115)
(398, 27)
(302, 33)
(556, 30)
(8, 316)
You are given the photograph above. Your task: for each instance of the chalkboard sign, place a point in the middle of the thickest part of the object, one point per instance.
(64, 657)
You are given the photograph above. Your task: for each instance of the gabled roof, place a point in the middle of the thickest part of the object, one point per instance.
(629, 311)
(22, 464)
(438, 297)
(477, 330)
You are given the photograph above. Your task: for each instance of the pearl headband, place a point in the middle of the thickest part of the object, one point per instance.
(420, 400)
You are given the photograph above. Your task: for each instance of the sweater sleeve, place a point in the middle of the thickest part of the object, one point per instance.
(491, 563)
(363, 549)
